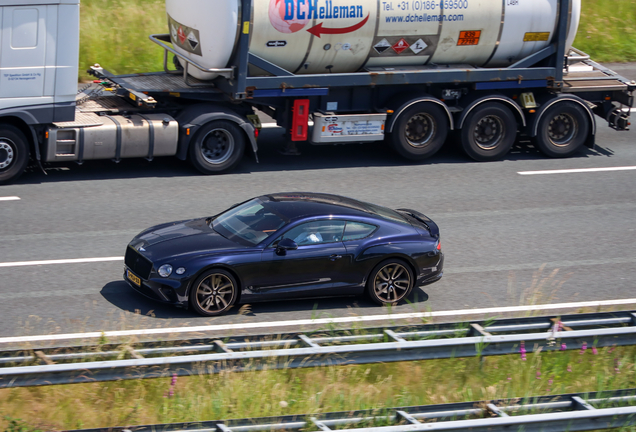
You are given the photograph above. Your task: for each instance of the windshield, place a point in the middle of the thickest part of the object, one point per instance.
(249, 223)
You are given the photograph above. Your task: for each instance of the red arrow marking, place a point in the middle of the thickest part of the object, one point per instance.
(318, 30)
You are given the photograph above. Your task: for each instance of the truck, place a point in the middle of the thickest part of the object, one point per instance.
(208, 115)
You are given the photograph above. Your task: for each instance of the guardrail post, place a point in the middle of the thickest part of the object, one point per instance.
(394, 336)
(308, 341)
(221, 347)
(477, 330)
(406, 416)
(222, 428)
(496, 411)
(579, 404)
(633, 318)
(323, 427)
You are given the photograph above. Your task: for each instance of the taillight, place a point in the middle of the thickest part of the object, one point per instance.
(439, 246)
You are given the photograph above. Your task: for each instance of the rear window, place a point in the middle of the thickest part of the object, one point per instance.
(387, 213)
(357, 231)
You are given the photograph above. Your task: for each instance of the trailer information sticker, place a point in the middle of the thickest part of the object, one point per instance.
(469, 37)
(536, 37)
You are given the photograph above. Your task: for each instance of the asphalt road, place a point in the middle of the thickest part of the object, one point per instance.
(499, 229)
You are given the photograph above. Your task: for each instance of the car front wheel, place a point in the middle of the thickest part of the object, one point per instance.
(213, 293)
(390, 281)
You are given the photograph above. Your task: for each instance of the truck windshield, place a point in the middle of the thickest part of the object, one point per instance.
(249, 223)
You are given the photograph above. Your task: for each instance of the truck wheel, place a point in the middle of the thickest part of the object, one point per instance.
(14, 153)
(217, 147)
(420, 131)
(489, 132)
(562, 129)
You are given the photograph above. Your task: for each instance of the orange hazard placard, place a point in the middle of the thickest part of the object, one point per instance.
(469, 37)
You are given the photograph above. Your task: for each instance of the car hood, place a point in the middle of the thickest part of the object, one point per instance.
(182, 238)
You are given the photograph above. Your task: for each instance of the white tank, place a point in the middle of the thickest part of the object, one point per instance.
(322, 36)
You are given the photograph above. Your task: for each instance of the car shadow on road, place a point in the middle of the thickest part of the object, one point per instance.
(120, 295)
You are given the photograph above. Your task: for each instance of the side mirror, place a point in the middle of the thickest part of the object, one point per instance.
(284, 245)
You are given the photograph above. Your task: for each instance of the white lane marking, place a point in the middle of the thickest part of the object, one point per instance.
(10, 198)
(578, 170)
(305, 322)
(64, 261)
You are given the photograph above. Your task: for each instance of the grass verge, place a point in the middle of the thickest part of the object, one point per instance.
(115, 33)
(303, 391)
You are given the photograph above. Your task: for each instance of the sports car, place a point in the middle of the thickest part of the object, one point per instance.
(286, 246)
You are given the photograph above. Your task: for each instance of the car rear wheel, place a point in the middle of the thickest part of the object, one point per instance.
(390, 281)
(213, 293)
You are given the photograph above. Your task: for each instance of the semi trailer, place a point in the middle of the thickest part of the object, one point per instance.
(328, 71)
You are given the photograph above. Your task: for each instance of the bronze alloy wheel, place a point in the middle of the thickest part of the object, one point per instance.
(215, 292)
(392, 283)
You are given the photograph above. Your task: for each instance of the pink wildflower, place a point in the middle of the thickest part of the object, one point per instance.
(594, 351)
(583, 348)
(563, 346)
(569, 368)
(174, 380)
(538, 375)
(522, 350)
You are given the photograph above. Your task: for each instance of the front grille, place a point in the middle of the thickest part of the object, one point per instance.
(140, 265)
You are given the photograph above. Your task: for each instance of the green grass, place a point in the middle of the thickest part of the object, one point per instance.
(608, 30)
(307, 391)
(115, 33)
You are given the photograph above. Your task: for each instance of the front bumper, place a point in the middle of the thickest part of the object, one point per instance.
(157, 290)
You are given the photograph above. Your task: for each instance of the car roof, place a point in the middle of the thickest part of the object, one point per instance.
(294, 205)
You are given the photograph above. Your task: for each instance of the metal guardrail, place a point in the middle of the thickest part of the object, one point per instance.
(205, 356)
(560, 413)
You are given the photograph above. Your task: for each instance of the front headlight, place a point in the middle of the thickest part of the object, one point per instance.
(165, 270)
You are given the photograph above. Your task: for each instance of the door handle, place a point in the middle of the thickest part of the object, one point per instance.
(335, 257)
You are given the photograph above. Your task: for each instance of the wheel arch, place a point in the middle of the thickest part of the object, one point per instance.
(565, 98)
(517, 111)
(24, 126)
(424, 99)
(221, 266)
(402, 257)
(197, 116)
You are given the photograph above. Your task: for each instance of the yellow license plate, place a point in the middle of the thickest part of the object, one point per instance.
(134, 279)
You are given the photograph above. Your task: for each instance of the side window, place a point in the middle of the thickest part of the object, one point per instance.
(357, 230)
(317, 232)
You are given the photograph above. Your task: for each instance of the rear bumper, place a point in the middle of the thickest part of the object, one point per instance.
(433, 274)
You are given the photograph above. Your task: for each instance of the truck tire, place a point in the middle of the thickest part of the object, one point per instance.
(420, 131)
(218, 146)
(562, 129)
(14, 153)
(489, 132)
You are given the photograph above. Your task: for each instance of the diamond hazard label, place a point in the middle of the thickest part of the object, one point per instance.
(181, 34)
(418, 46)
(382, 46)
(193, 41)
(400, 46)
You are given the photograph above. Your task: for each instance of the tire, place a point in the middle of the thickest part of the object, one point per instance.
(489, 132)
(390, 282)
(562, 129)
(14, 153)
(213, 293)
(420, 131)
(217, 147)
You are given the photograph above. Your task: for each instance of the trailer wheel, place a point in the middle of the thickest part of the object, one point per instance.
(420, 131)
(489, 132)
(217, 147)
(562, 129)
(14, 153)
